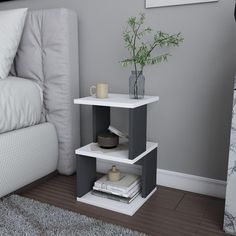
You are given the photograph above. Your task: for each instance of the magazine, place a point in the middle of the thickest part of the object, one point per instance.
(114, 197)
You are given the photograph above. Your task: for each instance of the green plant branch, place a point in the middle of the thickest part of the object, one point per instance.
(140, 51)
(135, 32)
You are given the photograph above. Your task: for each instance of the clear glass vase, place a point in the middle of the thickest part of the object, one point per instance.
(136, 85)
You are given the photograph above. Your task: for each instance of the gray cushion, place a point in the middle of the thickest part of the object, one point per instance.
(48, 54)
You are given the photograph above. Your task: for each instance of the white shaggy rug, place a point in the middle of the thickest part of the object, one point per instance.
(23, 216)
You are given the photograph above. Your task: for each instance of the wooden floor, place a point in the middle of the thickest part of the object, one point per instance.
(169, 212)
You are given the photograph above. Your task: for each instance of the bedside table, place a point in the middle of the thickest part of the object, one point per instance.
(137, 150)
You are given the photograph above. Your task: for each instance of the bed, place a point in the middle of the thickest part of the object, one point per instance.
(45, 70)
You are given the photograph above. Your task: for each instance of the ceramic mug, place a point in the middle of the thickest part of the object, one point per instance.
(99, 91)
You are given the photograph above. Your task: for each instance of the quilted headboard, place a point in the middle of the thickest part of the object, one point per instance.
(48, 54)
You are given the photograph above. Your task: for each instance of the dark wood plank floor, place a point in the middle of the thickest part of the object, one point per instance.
(169, 212)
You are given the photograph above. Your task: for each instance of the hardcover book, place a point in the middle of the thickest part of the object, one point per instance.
(124, 185)
(130, 193)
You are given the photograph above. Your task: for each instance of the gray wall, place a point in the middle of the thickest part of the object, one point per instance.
(191, 122)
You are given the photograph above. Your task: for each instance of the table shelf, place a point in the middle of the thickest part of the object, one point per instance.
(119, 154)
(127, 209)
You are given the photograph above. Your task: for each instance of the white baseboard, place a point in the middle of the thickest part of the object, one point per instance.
(191, 183)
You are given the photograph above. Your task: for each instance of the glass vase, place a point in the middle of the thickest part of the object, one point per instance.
(136, 85)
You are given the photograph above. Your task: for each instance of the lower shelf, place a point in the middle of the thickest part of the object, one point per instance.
(127, 209)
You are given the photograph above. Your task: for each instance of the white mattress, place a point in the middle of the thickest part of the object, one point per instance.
(27, 155)
(20, 104)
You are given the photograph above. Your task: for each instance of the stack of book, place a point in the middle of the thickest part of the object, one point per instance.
(125, 190)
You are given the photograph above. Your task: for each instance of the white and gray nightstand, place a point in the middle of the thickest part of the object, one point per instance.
(138, 150)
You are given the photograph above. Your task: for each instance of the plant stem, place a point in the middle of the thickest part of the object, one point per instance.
(135, 90)
(136, 83)
(134, 48)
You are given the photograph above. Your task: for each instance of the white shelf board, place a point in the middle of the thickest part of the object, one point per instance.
(116, 100)
(118, 154)
(128, 209)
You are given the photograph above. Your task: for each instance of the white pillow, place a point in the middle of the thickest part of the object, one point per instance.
(11, 28)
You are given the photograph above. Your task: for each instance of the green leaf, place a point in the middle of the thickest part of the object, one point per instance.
(158, 59)
(127, 62)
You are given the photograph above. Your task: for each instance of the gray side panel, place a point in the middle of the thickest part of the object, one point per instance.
(149, 164)
(101, 120)
(137, 131)
(86, 174)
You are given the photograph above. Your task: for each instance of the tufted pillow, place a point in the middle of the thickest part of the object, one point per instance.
(11, 28)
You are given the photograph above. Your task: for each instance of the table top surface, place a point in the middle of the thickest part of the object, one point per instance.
(116, 100)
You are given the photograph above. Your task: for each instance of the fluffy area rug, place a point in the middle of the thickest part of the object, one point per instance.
(23, 216)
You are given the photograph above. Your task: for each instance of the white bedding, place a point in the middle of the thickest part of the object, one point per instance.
(20, 104)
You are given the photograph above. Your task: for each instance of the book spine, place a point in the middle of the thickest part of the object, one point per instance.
(133, 191)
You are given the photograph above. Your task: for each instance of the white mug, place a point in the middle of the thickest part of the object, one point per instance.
(99, 91)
